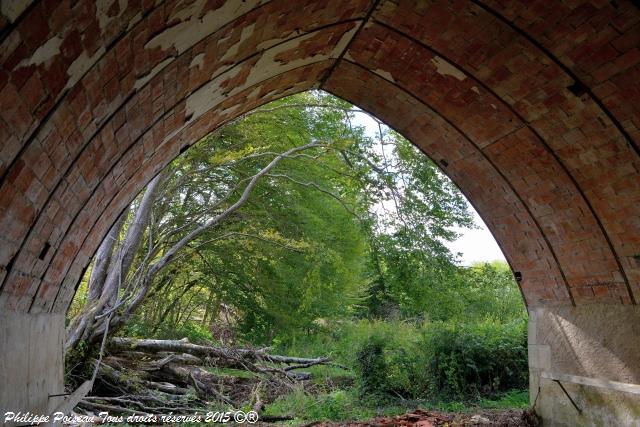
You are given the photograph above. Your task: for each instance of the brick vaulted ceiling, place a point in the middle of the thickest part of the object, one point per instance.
(531, 107)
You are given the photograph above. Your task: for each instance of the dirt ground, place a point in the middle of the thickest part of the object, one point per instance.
(421, 418)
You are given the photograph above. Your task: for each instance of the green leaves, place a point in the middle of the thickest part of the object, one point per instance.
(353, 227)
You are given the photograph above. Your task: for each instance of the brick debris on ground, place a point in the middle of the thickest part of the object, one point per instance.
(422, 418)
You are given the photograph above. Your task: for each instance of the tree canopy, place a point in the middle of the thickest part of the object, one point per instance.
(289, 216)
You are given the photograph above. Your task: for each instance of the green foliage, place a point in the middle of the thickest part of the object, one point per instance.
(372, 367)
(196, 333)
(450, 361)
(339, 251)
(467, 361)
(335, 405)
(311, 243)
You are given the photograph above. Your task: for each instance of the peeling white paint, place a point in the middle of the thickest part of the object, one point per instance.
(197, 61)
(155, 70)
(12, 9)
(267, 63)
(247, 31)
(81, 65)
(385, 75)
(348, 57)
(134, 21)
(265, 44)
(475, 89)
(193, 29)
(103, 6)
(446, 69)
(211, 93)
(44, 53)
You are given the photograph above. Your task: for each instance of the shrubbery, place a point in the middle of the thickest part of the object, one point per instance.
(429, 360)
(451, 361)
(471, 360)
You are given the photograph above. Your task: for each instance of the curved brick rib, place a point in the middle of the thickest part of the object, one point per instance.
(139, 116)
(495, 200)
(96, 96)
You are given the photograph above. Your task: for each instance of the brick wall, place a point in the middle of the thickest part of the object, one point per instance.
(532, 109)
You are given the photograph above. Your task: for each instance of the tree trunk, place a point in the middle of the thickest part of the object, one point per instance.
(82, 327)
(103, 259)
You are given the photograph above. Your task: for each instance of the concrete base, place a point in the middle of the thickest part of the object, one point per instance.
(593, 353)
(31, 362)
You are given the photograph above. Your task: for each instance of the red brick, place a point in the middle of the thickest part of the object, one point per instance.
(563, 197)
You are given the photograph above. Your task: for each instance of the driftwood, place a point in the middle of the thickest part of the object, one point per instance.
(144, 376)
(183, 346)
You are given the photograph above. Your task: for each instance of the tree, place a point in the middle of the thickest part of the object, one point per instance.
(288, 215)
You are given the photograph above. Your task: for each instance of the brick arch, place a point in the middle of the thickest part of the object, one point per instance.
(542, 137)
(532, 108)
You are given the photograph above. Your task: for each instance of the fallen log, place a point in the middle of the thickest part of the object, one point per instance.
(154, 375)
(165, 387)
(120, 344)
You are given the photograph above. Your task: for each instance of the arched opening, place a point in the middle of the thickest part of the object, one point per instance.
(335, 249)
(536, 121)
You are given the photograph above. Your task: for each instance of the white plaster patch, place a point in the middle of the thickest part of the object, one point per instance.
(446, 69)
(475, 89)
(385, 75)
(193, 29)
(494, 106)
(81, 65)
(197, 61)
(44, 53)
(271, 42)
(155, 70)
(12, 9)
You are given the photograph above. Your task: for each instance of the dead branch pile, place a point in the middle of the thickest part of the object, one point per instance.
(150, 376)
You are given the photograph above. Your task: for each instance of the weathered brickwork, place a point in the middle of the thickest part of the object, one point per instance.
(157, 157)
(532, 109)
(470, 170)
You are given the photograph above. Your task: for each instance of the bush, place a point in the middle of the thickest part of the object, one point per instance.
(446, 361)
(371, 367)
(467, 361)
